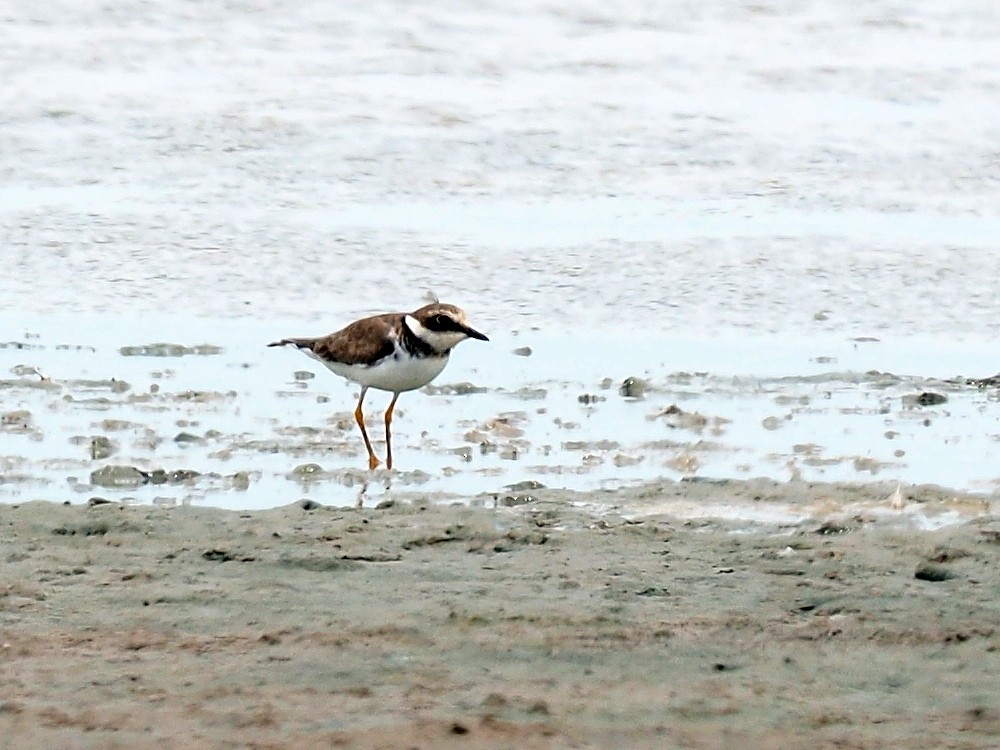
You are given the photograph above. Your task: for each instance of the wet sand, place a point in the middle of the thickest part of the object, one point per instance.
(536, 625)
(647, 178)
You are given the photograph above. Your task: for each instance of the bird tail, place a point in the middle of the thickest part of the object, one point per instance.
(299, 343)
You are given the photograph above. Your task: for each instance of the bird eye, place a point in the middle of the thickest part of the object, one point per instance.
(441, 322)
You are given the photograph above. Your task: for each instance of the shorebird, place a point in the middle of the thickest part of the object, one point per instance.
(394, 352)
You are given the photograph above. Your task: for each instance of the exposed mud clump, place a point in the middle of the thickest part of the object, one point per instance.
(117, 425)
(114, 385)
(633, 388)
(993, 381)
(868, 464)
(530, 393)
(590, 445)
(16, 421)
(527, 484)
(101, 447)
(927, 398)
(170, 350)
(24, 371)
(679, 419)
(184, 438)
(19, 345)
(30, 384)
(512, 501)
(119, 477)
(240, 481)
(180, 476)
(130, 477)
(455, 389)
(773, 423)
(502, 426)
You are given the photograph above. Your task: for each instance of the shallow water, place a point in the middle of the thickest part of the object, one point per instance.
(738, 194)
(262, 427)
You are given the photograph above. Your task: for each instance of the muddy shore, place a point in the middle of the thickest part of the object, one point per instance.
(726, 240)
(543, 624)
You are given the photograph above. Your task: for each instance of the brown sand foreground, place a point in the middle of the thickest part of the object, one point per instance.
(537, 626)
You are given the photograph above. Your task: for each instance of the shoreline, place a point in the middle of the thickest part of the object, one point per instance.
(535, 625)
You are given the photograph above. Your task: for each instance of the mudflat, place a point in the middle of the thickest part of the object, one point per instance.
(543, 624)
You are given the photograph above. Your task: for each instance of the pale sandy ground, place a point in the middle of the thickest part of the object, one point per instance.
(536, 626)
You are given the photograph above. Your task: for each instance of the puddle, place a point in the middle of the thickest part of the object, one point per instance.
(237, 425)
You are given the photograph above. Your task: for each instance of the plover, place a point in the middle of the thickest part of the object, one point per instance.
(394, 352)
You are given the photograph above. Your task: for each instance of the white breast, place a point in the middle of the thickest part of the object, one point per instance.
(397, 373)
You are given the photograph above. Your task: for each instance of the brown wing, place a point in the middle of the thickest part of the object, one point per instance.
(363, 342)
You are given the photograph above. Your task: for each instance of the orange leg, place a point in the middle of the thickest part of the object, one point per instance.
(388, 436)
(360, 418)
